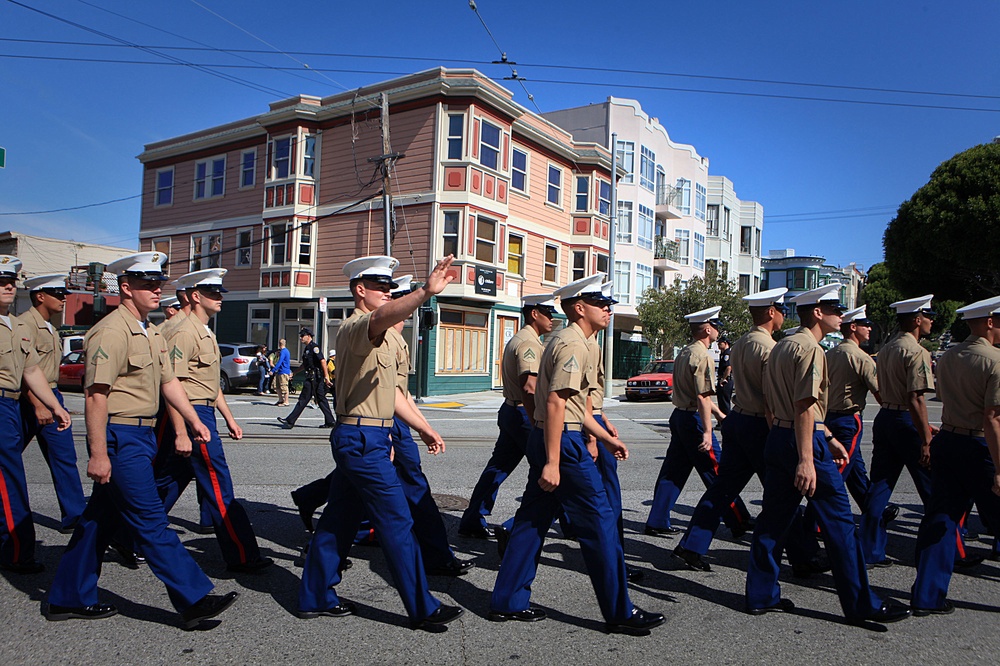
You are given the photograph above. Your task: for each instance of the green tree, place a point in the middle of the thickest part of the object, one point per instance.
(878, 294)
(661, 311)
(945, 239)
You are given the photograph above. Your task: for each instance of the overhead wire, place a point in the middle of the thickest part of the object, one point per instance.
(503, 56)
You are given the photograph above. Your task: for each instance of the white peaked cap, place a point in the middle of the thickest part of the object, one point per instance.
(856, 315)
(538, 299)
(10, 266)
(148, 265)
(404, 285)
(209, 277)
(54, 281)
(763, 299)
(828, 293)
(983, 308)
(377, 268)
(918, 304)
(704, 316)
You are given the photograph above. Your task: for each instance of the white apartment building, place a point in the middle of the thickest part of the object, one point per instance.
(662, 204)
(733, 235)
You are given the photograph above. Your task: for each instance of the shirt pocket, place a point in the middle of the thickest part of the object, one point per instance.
(139, 362)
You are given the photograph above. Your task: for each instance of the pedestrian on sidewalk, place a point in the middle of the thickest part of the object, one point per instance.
(283, 373)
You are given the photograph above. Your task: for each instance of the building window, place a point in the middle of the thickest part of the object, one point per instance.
(724, 270)
(161, 245)
(700, 200)
(647, 169)
(519, 171)
(486, 239)
(626, 159)
(579, 264)
(603, 197)
(489, 145)
(712, 220)
(712, 267)
(165, 187)
(756, 242)
(305, 244)
(623, 282)
(727, 229)
(746, 240)
(244, 247)
(450, 233)
(515, 254)
(281, 158)
(206, 251)
(456, 126)
(684, 195)
(582, 194)
(292, 320)
(309, 156)
(624, 232)
(210, 178)
(602, 263)
(798, 279)
(551, 273)
(248, 168)
(683, 239)
(259, 324)
(279, 243)
(646, 218)
(699, 252)
(554, 195)
(744, 284)
(464, 341)
(643, 279)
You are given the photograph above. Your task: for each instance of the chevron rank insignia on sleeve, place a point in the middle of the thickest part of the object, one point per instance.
(571, 365)
(100, 356)
(529, 354)
(176, 354)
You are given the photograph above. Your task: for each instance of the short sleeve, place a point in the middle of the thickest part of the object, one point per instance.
(992, 397)
(182, 348)
(703, 376)
(568, 368)
(869, 374)
(809, 374)
(166, 369)
(527, 360)
(919, 377)
(106, 353)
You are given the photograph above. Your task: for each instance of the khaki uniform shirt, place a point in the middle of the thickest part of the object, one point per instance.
(521, 356)
(852, 375)
(366, 382)
(796, 371)
(402, 355)
(904, 367)
(45, 340)
(566, 364)
(133, 362)
(195, 358)
(969, 375)
(748, 358)
(597, 358)
(692, 376)
(16, 353)
(167, 326)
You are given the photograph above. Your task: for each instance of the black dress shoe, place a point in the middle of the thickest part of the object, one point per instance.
(889, 514)
(95, 612)
(783, 606)
(503, 538)
(634, 575)
(661, 531)
(889, 612)
(881, 564)
(969, 561)
(27, 568)
(527, 615)
(343, 609)
(638, 625)
(692, 559)
(453, 568)
(203, 529)
(129, 558)
(947, 608)
(306, 512)
(285, 423)
(478, 532)
(208, 607)
(253, 566)
(817, 565)
(435, 622)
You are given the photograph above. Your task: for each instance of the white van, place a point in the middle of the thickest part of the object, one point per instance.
(71, 343)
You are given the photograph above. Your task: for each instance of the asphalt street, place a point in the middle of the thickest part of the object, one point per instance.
(705, 621)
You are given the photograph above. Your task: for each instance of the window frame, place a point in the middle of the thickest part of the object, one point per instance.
(310, 155)
(455, 140)
(603, 202)
(213, 256)
(698, 251)
(515, 172)
(305, 231)
(646, 220)
(712, 221)
(626, 212)
(156, 245)
(285, 244)
(647, 168)
(274, 160)
(484, 241)
(480, 340)
(626, 159)
(623, 273)
(252, 171)
(646, 272)
(700, 200)
(486, 148)
(549, 187)
(683, 238)
(518, 256)
(684, 200)
(210, 178)
(578, 272)
(746, 248)
(546, 264)
(446, 235)
(584, 183)
(240, 248)
(159, 190)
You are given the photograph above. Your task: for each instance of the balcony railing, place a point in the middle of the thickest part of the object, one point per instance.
(668, 195)
(666, 248)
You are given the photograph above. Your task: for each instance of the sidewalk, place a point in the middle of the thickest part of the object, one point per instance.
(491, 400)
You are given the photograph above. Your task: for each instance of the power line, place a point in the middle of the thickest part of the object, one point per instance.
(503, 57)
(832, 212)
(69, 208)
(556, 66)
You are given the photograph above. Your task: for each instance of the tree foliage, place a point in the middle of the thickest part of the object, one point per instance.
(879, 293)
(945, 239)
(661, 311)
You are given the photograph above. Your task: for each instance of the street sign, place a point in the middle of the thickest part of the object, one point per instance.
(322, 304)
(3, 157)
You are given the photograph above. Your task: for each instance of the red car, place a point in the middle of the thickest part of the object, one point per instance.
(71, 370)
(655, 381)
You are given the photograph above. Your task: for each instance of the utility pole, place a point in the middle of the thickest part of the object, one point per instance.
(609, 333)
(385, 162)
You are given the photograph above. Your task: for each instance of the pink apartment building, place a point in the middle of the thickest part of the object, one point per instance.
(285, 198)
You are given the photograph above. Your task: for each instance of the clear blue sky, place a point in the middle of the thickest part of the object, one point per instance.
(72, 128)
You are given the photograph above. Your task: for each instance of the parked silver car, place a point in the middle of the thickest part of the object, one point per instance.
(238, 366)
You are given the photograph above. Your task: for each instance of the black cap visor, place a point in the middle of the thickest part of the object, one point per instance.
(379, 279)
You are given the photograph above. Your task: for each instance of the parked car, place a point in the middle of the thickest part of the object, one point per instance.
(71, 370)
(71, 343)
(238, 366)
(655, 381)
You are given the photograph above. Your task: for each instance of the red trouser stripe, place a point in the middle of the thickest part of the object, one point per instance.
(854, 443)
(217, 493)
(958, 536)
(8, 515)
(715, 468)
